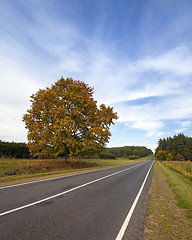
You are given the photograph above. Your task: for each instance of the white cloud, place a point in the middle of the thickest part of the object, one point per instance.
(184, 126)
(177, 62)
(115, 81)
(185, 123)
(18, 83)
(160, 134)
(151, 127)
(180, 130)
(151, 117)
(172, 89)
(62, 49)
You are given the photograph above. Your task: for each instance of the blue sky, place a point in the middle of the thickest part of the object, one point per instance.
(136, 54)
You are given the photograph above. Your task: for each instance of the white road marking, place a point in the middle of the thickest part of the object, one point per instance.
(60, 177)
(128, 217)
(49, 179)
(62, 193)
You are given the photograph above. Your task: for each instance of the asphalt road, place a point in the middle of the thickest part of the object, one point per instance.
(89, 206)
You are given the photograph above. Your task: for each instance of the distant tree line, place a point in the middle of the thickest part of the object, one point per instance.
(131, 152)
(14, 150)
(21, 150)
(177, 148)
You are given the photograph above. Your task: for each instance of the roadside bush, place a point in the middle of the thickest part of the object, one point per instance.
(131, 157)
(107, 156)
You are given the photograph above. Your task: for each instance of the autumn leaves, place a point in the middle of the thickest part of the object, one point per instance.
(64, 121)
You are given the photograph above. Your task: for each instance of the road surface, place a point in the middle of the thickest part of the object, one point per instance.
(89, 206)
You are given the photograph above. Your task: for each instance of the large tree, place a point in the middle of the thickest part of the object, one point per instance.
(64, 121)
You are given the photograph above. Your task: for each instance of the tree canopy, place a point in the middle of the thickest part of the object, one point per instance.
(64, 121)
(174, 148)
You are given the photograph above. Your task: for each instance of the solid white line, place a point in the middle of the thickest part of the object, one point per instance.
(127, 219)
(62, 193)
(60, 177)
(49, 179)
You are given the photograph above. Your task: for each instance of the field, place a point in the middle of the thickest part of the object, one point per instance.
(18, 170)
(184, 168)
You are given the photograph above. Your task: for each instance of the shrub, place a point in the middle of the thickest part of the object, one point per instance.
(133, 157)
(107, 156)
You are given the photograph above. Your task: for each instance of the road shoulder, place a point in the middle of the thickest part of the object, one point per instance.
(165, 219)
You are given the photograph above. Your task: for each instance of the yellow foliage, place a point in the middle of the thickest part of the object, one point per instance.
(161, 155)
(64, 121)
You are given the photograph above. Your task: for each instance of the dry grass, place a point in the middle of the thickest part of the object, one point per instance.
(21, 169)
(23, 166)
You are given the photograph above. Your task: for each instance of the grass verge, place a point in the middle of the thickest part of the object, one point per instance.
(165, 218)
(21, 170)
(185, 168)
(181, 186)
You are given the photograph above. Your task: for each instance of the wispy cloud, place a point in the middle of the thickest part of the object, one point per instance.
(184, 126)
(171, 86)
(180, 130)
(135, 63)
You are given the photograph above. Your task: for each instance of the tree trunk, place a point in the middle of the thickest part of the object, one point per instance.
(67, 154)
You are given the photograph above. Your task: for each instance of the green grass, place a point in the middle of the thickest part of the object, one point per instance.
(181, 186)
(19, 170)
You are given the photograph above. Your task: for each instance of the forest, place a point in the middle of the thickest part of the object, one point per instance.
(131, 152)
(21, 150)
(177, 148)
(14, 150)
